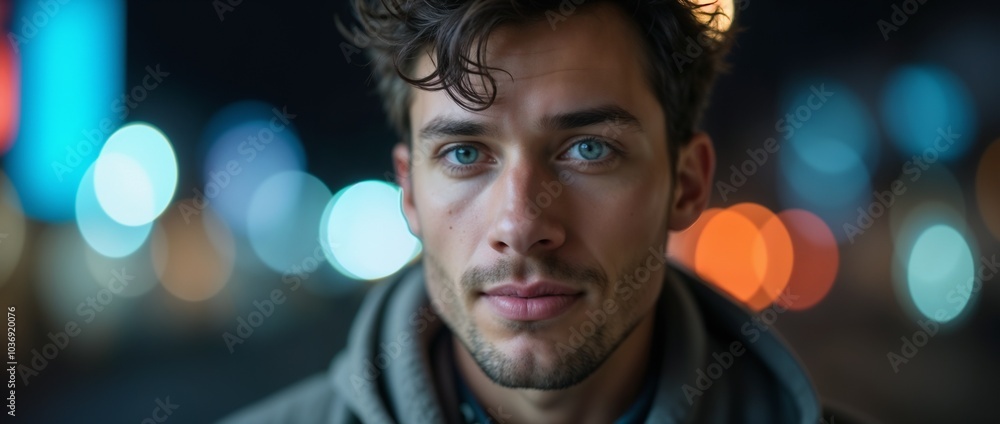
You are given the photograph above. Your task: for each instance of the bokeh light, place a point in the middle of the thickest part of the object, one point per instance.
(246, 143)
(920, 105)
(835, 112)
(834, 194)
(364, 231)
(940, 273)
(723, 257)
(136, 174)
(988, 188)
(831, 150)
(72, 72)
(189, 262)
(13, 229)
(105, 235)
(139, 266)
(283, 219)
(759, 257)
(920, 217)
(817, 259)
(933, 189)
(10, 96)
(67, 292)
(682, 244)
(771, 253)
(912, 232)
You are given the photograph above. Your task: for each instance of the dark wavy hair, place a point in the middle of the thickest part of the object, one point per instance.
(684, 49)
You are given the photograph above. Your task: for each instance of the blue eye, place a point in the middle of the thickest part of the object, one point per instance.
(465, 155)
(590, 149)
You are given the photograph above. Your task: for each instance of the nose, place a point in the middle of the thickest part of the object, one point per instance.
(527, 204)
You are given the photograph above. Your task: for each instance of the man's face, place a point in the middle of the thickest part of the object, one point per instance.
(533, 212)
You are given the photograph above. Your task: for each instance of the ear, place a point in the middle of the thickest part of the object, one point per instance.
(401, 163)
(693, 185)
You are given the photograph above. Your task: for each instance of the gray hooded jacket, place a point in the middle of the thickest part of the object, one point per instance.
(389, 372)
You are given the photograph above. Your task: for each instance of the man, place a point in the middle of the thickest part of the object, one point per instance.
(546, 152)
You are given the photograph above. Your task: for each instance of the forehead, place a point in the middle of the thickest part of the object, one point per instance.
(593, 57)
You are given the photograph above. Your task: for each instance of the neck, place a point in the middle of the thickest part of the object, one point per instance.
(602, 397)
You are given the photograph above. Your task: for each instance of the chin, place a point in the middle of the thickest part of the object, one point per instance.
(534, 368)
(528, 347)
(541, 360)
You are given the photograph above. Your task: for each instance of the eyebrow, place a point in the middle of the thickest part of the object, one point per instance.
(615, 116)
(442, 127)
(608, 114)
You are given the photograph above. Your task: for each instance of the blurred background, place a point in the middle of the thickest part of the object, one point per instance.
(167, 167)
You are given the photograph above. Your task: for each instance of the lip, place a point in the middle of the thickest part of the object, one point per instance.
(531, 302)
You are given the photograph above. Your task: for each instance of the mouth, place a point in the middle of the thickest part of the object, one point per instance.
(531, 302)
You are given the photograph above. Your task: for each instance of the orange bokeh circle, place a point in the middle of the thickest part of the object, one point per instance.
(681, 245)
(817, 259)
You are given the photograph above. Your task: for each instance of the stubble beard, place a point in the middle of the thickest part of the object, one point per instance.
(533, 370)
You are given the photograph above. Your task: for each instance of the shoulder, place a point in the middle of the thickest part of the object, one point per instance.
(748, 364)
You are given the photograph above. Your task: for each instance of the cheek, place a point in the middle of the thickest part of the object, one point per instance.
(643, 211)
(449, 220)
(441, 289)
(636, 290)
(645, 298)
(622, 218)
